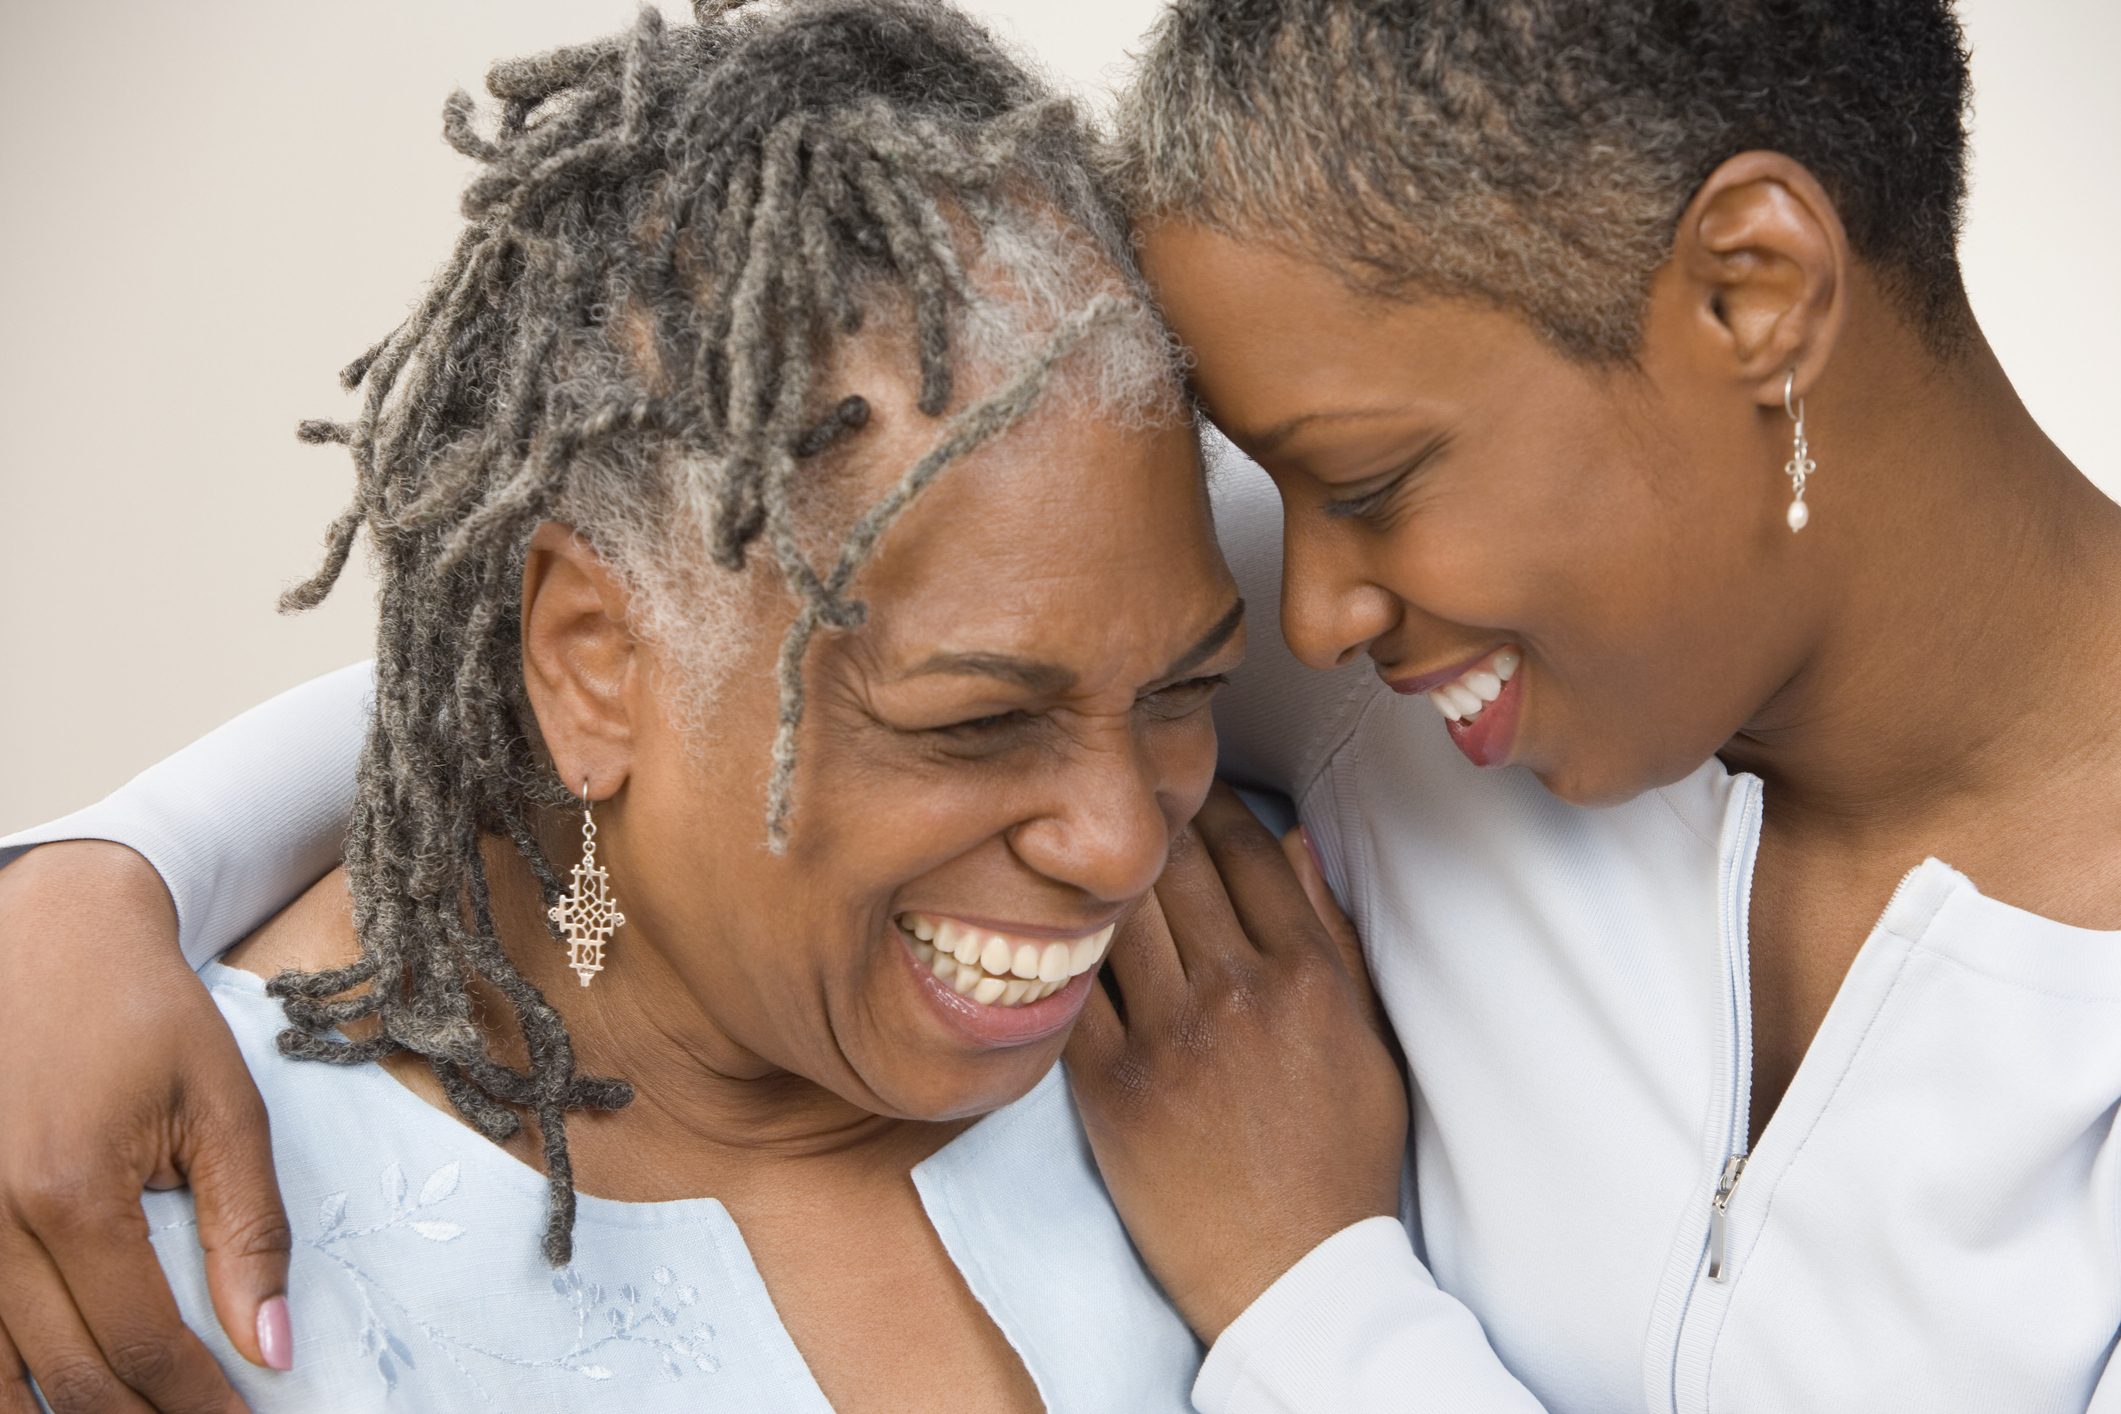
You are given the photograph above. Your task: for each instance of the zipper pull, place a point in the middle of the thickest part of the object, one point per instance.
(1719, 1207)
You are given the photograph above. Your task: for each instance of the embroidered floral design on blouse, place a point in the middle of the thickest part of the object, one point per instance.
(654, 1314)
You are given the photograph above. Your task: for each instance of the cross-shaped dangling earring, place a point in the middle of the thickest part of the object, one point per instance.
(587, 915)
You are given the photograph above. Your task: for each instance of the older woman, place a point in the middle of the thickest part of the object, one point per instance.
(799, 613)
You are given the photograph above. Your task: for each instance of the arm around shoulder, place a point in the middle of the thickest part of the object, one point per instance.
(243, 819)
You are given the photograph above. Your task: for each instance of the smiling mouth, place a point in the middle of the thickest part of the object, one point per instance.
(998, 969)
(1466, 696)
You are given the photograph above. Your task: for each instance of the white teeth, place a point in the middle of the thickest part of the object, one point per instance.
(995, 969)
(1086, 953)
(996, 955)
(1462, 701)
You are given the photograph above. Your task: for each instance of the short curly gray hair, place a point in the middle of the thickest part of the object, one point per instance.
(1537, 154)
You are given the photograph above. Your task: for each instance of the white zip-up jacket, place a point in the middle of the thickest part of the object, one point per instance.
(1931, 1222)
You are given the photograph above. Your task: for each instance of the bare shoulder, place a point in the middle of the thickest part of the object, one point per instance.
(314, 931)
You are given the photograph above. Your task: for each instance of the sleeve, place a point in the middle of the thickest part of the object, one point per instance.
(244, 818)
(1357, 1327)
(2106, 1398)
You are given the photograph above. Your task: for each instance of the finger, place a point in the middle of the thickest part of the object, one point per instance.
(1098, 1041)
(1303, 858)
(1257, 878)
(1143, 961)
(14, 1380)
(242, 1229)
(53, 1342)
(1214, 932)
(98, 1246)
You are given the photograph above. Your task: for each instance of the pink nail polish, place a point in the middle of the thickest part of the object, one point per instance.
(276, 1337)
(1312, 850)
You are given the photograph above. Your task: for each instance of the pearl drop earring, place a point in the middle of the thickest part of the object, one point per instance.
(1800, 464)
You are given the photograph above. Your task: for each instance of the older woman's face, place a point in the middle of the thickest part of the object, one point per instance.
(1592, 563)
(995, 763)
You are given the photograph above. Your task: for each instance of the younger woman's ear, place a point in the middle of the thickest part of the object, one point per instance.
(579, 660)
(1766, 262)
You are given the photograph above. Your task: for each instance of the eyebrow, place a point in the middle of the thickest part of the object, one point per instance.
(1282, 431)
(1210, 642)
(1049, 678)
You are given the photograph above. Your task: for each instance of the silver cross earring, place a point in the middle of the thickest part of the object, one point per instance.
(1800, 464)
(587, 915)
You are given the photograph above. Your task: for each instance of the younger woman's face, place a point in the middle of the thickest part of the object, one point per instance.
(1588, 568)
(995, 764)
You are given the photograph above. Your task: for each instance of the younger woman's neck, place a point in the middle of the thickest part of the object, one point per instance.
(1968, 609)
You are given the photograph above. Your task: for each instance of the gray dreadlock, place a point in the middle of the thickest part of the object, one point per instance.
(670, 229)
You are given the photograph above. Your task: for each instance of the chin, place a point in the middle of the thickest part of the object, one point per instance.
(1594, 785)
(1604, 781)
(973, 1091)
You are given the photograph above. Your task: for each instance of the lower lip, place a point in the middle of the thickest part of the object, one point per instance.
(1487, 739)
(1000, 1026)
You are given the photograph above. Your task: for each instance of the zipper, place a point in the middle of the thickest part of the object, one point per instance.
(1719, 1211)
(1738, 974)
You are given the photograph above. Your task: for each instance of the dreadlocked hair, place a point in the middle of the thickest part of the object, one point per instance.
(669, 231)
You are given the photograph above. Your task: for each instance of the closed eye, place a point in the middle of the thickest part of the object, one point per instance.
(1369, 503)
(1360, 506)
(981, 726)
(1178, 699)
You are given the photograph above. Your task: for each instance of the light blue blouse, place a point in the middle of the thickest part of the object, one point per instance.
(417, 1283)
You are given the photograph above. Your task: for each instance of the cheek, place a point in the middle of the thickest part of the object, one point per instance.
(1184, 753)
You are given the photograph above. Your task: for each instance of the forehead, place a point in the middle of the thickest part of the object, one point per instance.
(1068, 539)
(1277, 338)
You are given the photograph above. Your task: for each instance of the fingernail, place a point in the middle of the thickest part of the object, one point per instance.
(276, 1338)
(1312, 850)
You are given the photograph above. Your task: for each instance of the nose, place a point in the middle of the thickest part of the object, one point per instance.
(1330, 611)
(1106, 826)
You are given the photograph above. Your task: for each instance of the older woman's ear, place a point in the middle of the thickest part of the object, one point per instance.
(1764, 264)
(580, 664)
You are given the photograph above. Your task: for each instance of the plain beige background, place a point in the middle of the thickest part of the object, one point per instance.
(210, 207)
